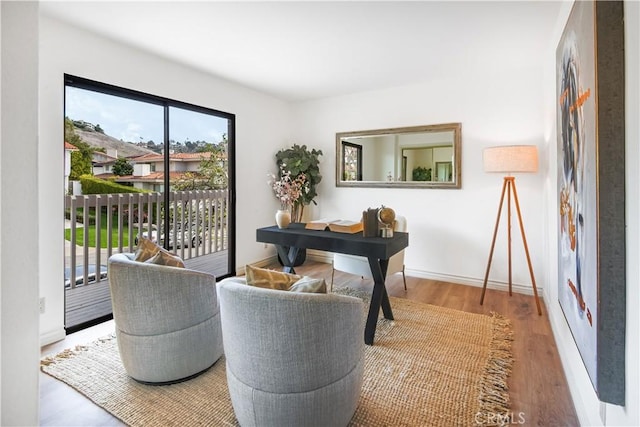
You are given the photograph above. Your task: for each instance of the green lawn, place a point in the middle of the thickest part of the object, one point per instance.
(103, 234)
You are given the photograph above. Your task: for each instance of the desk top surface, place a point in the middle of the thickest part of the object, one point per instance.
(355, 244)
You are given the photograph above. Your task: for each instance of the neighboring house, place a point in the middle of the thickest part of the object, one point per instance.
(148, 170)
(68, 148)
(85, 125)
(103, 163)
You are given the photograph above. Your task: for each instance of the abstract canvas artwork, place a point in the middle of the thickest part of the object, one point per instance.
(591, 249)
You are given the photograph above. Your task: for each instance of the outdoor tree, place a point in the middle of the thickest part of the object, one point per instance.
(212, 173)
(122, 167)
(81, 159)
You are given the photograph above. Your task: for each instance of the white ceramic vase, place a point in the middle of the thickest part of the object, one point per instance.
(283, 218)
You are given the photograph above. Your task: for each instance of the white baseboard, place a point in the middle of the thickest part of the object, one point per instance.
(52, 336)
(472, 281)
(526, 289)
(320, 256)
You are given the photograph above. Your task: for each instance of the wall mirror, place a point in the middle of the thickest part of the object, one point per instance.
(409, 157)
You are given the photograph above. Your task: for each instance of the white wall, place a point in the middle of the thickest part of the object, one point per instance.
(450, 230)
(140, 169)
(19, 213)
(590, 410)
(262, 124)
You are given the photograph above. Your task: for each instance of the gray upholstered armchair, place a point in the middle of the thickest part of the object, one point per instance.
(293, 359)
(167, 319)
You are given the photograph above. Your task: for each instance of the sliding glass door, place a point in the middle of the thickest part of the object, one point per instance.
(139, 165)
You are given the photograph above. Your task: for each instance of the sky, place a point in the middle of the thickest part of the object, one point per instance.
(136, 121)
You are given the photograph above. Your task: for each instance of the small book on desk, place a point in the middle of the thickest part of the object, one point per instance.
(337, 225)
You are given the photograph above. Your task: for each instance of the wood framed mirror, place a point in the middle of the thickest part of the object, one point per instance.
(410, 157)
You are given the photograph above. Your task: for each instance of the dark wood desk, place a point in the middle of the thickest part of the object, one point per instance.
(376, 249)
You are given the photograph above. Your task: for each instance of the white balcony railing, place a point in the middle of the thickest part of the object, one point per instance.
(101, 225)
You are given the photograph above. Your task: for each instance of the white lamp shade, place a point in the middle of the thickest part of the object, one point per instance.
(511, 158)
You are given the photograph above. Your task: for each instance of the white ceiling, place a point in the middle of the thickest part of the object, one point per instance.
(307, 50)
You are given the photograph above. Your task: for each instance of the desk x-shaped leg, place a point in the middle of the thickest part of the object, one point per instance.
(287, 257)
(379, 298)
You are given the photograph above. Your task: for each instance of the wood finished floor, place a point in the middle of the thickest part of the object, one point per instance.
(537, 386)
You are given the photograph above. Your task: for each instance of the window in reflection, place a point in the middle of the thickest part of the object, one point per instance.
(427, 164)
(444, 171)
(352, 161)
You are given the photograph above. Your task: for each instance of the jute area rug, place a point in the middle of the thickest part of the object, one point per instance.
(431, 366)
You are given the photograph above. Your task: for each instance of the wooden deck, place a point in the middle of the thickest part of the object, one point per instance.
(215, 263)
(85, 304)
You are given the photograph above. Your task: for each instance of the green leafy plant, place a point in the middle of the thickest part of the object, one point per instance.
(298, 160)
(421, 174)
(122, 167)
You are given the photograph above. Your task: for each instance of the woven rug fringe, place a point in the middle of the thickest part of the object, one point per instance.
(494, 396)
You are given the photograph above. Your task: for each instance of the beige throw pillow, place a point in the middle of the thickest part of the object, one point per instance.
(271, 279)
(146, 249)
(309, 284)
(150, 252)
(165, 258)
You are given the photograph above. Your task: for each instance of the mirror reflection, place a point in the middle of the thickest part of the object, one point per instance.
(413, 157)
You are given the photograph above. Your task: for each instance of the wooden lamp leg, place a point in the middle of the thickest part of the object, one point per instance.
(510, 183)
(493, 242)
(526, 250)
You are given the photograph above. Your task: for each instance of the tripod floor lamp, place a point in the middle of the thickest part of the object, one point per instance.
(510, 159)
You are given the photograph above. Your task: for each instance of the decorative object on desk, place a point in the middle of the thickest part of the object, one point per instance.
(288, 189)
(509, 159)
(283, 218)
(336, 225)
(298, 161)
(370, 223)
(386, 216)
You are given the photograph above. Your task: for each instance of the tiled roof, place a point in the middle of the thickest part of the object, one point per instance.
(68, 146)
(153, 176)
(103, 158)
(149, 156)
(190, 156)
(176, 156)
